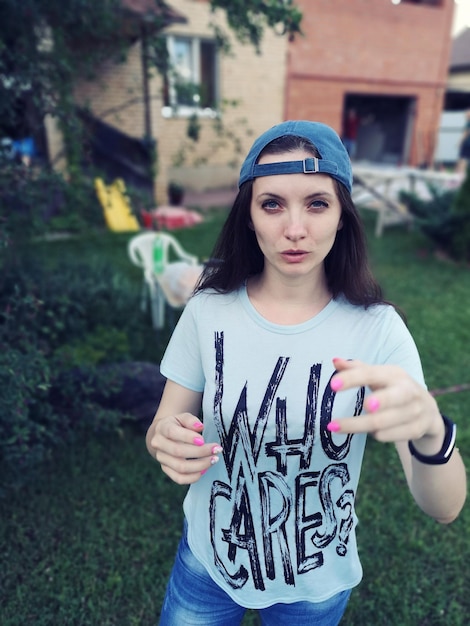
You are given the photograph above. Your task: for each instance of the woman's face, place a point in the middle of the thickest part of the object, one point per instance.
(295, 218)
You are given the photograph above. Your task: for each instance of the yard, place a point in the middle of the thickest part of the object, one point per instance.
(91, 538)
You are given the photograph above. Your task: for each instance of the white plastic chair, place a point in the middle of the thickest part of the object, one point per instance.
(174, 284)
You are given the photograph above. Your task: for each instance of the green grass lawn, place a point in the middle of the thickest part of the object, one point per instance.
(91, 539)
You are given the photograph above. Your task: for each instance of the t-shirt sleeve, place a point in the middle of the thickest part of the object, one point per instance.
(181, 362)
(399, 348)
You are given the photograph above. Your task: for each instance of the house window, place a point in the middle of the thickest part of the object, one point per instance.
(191, 82)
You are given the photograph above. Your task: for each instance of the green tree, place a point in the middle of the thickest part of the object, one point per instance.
(249, 18)
(46, 46)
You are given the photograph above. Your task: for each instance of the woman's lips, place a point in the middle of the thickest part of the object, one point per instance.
(294, 256)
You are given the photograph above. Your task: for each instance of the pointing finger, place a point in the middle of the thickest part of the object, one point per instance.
(358, 374)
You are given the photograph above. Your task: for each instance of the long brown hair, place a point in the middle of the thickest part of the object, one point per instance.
(237, 255)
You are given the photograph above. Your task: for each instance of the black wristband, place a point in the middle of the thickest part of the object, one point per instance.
(445, 452)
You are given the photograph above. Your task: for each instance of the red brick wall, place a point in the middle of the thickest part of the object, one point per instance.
(370, 47)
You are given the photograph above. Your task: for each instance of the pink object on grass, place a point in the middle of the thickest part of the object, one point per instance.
(173, 217)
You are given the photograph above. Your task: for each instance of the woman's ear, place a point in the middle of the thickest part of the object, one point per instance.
(250, 225)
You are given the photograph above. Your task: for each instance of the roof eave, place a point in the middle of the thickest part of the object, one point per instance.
(149, 10)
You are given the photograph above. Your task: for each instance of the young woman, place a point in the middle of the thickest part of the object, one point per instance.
(281, 364)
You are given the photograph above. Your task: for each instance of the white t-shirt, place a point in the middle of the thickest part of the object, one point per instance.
(274, 520)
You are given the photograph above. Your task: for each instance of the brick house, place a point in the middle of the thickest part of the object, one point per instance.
(387, 59)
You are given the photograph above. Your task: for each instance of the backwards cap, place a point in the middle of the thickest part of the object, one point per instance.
(334, 157)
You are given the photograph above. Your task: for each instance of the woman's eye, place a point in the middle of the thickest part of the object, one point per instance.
(319, 204)
(270, 205)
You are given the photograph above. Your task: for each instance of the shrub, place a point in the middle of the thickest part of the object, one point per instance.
(34, 201)
(461, 213)
(26, 418)
(101, 346)
(444, 219)
(55, 328)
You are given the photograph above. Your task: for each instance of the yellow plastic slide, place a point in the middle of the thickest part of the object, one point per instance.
(116, 206)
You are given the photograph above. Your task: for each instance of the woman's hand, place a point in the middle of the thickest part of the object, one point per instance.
(398, 409)
(180, 448)
(175, 437)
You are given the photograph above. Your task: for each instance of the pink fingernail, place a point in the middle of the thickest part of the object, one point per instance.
(198, 425)
(336, 384)
(214, 460)
(203, 472)
(373, 404)
(216, 449)
(333, 427)
(198, 441)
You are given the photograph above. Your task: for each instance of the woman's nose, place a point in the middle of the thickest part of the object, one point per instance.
(295, 227)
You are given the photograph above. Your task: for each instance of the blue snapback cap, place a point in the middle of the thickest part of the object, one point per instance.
(334, 159)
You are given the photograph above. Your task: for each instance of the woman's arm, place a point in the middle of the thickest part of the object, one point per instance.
(439, 490)
(399, 410)
(175, 437)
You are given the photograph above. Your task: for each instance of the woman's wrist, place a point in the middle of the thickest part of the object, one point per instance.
(431, 443)
(435, 449)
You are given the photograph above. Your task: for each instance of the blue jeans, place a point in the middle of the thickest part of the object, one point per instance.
(194, 599)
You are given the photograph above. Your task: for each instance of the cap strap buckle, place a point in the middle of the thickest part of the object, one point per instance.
(311, 165)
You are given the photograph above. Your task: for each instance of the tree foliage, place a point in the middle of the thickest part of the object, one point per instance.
(248, 19)
(461, 212)
(46, 46)
(444, 218)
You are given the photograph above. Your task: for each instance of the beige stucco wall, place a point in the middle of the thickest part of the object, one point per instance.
(55, 144)
(115, 93)
(255, 81)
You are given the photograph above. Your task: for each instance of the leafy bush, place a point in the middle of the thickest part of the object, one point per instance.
(444, 219)
(55, 328)
(102, 345)
(434, 216)
(461, 212)
(34, 201)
